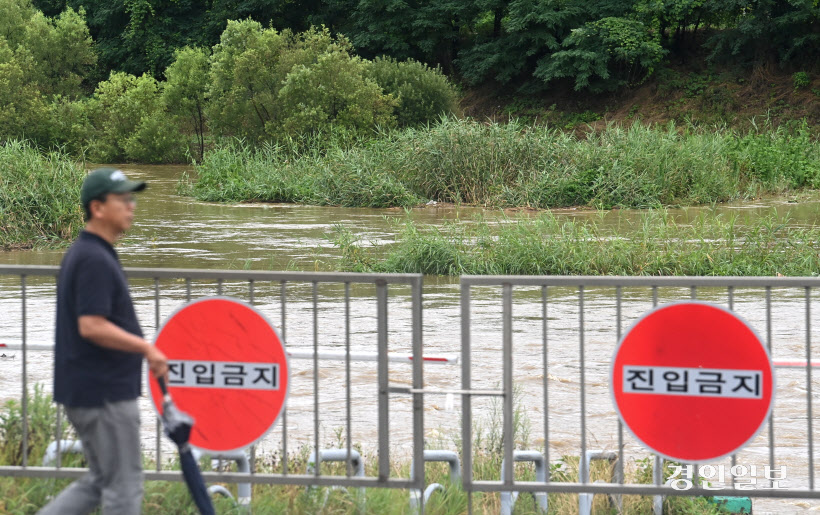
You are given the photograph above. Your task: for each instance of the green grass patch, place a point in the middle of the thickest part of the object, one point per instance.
(504, 165)
(654, 244)
(39, 196)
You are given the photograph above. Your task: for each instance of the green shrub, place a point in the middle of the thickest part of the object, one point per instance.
(333, 92)
(39, 196)
(801, 80)
(424, 93)
(276, 86)
(56, 54)
(130, 122)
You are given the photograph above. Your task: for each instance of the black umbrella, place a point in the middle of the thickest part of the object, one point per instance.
(178, 428)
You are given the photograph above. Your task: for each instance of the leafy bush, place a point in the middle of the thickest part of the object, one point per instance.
(333, 91)
(269, 86)
(424, 94)
(801, 80)
(130, 122)
(55, 53)
(249, 68)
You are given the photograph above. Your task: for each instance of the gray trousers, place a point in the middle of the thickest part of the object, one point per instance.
(111, 444)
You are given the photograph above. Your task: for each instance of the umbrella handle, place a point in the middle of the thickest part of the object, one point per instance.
(162, 386)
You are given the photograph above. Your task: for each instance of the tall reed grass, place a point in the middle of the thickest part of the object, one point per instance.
(237, 172)
(39, 196)
(502, 165)
(653, 245)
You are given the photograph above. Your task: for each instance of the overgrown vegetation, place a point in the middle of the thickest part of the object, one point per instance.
(22, 496)
(511, 165)
(590, 46)
(259, 84)
(39, 196)
(547, 245)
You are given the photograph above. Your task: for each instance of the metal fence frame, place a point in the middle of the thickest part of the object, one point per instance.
(381, 282)
(507, 283)
(417, 390)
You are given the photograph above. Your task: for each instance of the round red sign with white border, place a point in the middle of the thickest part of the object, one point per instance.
(692, 381)
(228, 370)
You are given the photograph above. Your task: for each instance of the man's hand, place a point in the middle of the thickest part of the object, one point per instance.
(104, 333)
(157, 362)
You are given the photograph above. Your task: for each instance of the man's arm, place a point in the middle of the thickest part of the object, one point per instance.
(106, 334)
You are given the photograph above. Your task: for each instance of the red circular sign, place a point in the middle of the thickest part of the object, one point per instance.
(692, 381)
(228, 369)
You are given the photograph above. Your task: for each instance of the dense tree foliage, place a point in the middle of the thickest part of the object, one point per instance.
(596, 45)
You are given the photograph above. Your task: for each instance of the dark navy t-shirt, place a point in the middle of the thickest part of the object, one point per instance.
(91, 282)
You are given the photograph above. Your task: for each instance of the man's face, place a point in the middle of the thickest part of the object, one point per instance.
(116, 211)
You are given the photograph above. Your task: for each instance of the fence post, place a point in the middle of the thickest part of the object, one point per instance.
(585, 499)
(451, 457)
(508, 498)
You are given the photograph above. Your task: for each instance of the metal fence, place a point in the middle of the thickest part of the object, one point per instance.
(584, 317)
(535, 353)
(303, 305)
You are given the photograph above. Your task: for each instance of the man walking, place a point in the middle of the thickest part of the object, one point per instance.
(98, 354)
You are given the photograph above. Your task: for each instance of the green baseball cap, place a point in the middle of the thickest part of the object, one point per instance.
(107, 180)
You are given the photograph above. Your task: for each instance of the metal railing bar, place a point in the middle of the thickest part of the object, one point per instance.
(769, 347)
(24, 403)
(730, 297)
(507, 378)
(251, 299)
(583, 465)
(544, 342)
(348, 429)
(284, 335)
(383, 380)
(809, 388)
(618, 329)
(316, 448)
(418, 382)
(156, 331)
(473, 280)
(657, 462)
(645, 281)
(466, 400)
